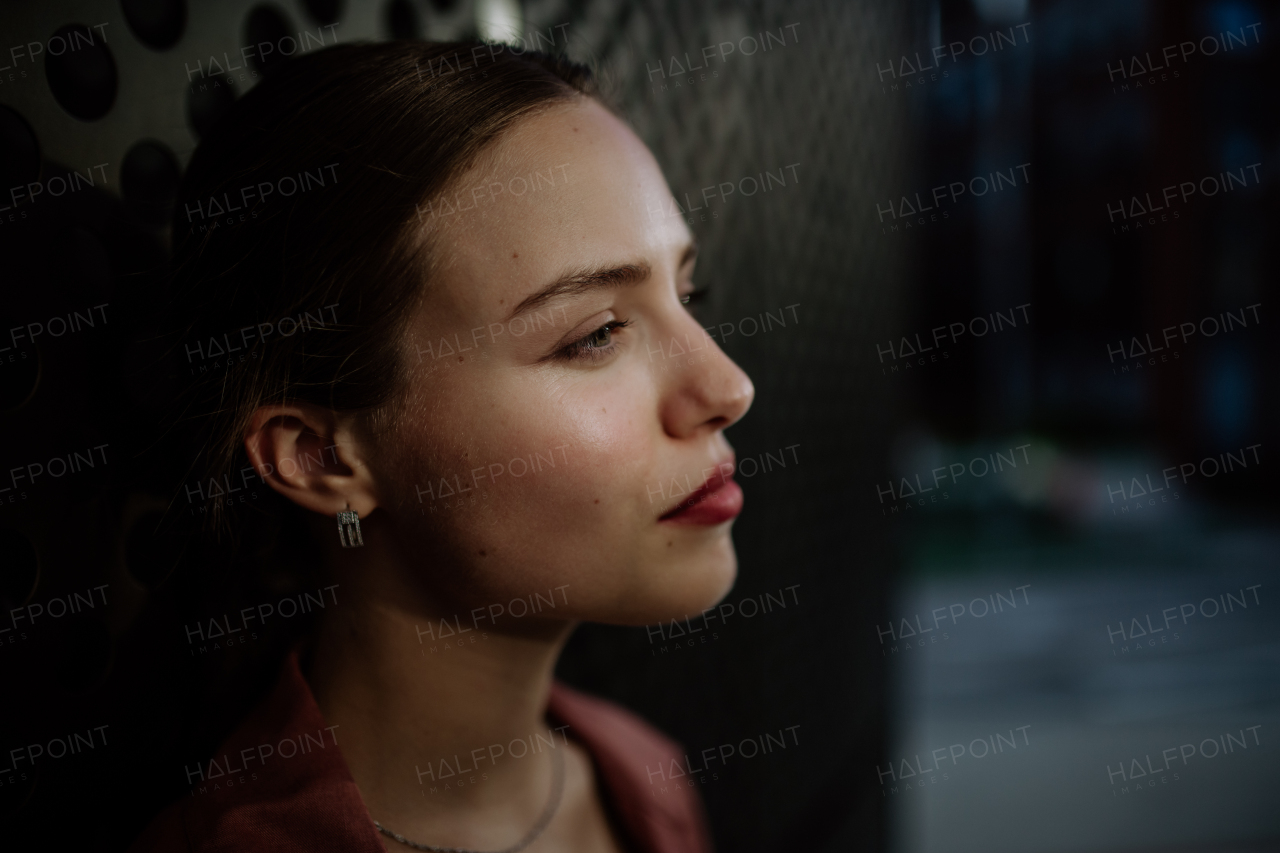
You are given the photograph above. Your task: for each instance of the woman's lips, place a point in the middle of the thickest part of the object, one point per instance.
(718, 500)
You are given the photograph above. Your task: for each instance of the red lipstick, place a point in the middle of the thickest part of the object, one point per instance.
(719, 499)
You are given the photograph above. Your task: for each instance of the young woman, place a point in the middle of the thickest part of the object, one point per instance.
(494, 416)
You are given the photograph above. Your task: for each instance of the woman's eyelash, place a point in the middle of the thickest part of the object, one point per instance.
(585, 347)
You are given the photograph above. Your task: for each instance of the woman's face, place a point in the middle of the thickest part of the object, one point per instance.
(563, 402)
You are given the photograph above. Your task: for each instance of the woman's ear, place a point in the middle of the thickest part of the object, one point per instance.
(312, 456)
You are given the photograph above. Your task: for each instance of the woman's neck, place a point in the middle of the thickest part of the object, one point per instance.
(431, 723)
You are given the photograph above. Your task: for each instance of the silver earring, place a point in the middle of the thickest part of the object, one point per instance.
(349, 528)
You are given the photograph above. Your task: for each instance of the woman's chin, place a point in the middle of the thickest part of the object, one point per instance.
(686, 592)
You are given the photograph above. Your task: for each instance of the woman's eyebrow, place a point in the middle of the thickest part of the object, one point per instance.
(623, 275)
(572, 284)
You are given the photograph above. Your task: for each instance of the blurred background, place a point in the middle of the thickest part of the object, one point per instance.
(1025, 531)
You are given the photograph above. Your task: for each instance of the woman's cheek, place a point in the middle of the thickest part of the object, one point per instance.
(530, 446)
(614, 439)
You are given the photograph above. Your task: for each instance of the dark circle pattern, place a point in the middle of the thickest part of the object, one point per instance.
(149, 179)
(159, 24)
(83, 653)
(19, 376)
(14, 795)
(402, 20)
(208, 100)
(79, 266)
(19, 152)
(81, 71)
(324, 11)
(19, 568)
(150, 554)
(270, 33)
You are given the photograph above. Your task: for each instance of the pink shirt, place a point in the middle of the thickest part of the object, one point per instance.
(279, 783)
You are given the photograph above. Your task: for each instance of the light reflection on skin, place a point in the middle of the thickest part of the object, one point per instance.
(589, 523)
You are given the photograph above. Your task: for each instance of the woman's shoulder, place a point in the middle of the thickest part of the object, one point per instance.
(277, 783)
(592, 716)
(651, 784)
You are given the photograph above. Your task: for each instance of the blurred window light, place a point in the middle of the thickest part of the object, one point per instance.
(499, 20)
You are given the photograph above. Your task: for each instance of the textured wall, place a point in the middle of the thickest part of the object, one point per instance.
(802, 249)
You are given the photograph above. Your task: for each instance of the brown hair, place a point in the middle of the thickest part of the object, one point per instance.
(361, 135)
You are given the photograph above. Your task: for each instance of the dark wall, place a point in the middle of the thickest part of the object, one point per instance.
(800, 249)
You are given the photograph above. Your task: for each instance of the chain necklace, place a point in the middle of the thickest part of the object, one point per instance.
(553, 804)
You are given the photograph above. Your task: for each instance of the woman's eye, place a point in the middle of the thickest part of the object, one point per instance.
(596, 344)
(694, 297)
(599, 338)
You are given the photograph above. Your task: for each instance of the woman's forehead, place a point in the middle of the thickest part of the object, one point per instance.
(568, 188)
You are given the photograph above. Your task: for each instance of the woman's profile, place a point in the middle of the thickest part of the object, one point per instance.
(505, 422)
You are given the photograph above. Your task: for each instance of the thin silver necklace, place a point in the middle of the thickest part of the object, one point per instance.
(553, 804)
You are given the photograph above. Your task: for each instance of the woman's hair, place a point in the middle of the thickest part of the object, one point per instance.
(299, 251)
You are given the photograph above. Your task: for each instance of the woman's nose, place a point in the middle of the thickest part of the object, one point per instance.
(705, 389)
